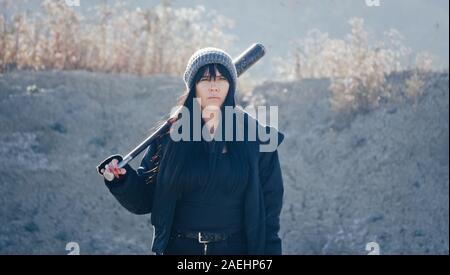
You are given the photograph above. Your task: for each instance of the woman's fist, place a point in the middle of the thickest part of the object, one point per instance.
(112, 171)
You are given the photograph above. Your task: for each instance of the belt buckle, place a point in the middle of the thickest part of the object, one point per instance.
(200, 238)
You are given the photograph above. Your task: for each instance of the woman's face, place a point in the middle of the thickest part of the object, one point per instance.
(212, 92)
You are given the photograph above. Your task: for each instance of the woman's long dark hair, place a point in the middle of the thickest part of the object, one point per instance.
(179, 165)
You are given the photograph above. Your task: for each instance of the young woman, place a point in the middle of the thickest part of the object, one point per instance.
(212, 195)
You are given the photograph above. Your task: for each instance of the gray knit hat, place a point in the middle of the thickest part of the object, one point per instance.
(207, 56)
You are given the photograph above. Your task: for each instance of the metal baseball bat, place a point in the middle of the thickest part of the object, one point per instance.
(244, 61)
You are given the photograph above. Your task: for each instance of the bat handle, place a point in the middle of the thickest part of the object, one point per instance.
(136, 151)
(125, 161)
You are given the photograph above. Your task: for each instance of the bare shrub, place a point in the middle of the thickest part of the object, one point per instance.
(356, 67)
(415, 84)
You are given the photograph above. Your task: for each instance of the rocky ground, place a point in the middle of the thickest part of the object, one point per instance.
(383, 178)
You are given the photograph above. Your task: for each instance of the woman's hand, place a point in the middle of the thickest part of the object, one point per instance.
(112, 171)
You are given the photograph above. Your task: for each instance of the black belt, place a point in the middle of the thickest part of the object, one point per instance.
(205, 237)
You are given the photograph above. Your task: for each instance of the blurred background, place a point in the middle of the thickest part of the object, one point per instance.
(362, 89)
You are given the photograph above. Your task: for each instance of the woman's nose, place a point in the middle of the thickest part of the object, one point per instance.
(213, 87)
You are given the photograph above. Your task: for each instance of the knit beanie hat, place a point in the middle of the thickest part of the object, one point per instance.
(205, 56)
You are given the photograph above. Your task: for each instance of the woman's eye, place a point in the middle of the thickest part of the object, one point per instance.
(207, 79)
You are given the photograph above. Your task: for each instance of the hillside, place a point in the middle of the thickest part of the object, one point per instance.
(385, 178)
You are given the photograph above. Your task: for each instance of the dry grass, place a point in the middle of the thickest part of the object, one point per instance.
(357, 69)
(415, 84)
(161, 40)
(110, 38)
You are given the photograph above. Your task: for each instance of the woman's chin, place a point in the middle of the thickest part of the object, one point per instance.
(213, 105)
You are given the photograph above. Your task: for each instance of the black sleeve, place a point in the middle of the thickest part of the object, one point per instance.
(135, 190)
(272, 184)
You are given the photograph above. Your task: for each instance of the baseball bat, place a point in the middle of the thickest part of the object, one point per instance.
(242, 63)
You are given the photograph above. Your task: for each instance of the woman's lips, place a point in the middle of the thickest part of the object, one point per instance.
(213, 97)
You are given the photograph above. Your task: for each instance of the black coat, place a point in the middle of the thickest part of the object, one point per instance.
(262, 206)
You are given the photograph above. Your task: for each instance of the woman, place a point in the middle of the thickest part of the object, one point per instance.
(212, 195)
